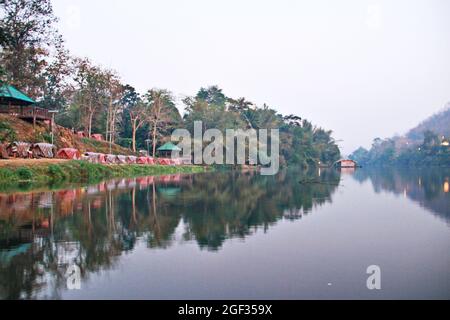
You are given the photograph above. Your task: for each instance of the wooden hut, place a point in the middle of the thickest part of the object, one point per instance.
(18, 104)
(167, 149)
(43, 150)
(19, 149)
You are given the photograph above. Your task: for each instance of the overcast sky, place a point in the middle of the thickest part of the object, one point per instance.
(362, 68)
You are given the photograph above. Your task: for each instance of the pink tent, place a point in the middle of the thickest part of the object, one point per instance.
(111, 159)
(69, 153)
(142, 160)
(164, 162)
(96, 157)
(131, 160)
(122, 159)
(176, 162)
(97, 137)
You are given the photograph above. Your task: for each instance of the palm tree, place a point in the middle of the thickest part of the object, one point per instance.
(242, 106)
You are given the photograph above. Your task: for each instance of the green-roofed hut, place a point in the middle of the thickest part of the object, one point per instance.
(17, 103)
(167, 149)
(11, 96)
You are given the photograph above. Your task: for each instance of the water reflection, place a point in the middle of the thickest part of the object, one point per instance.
(429, 187)
(43, 233)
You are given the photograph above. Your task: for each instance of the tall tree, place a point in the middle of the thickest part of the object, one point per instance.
(114, 91)
(58, 76)
(213, 96)
(90, 91)
(138, 117)
(162, 111)
(27, 37)
(241, 106)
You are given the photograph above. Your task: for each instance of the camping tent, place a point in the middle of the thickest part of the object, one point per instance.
(131, 160)
(142, 160)
(177, 162)
(164, 162)
(43, 150)
(121, 159)
(97, 136)
(111, 159)
(96, 157)
(69, 153)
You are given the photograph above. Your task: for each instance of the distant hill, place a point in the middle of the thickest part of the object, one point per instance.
(438, 123)
(422, 146)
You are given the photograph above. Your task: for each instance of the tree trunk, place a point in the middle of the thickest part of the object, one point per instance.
(133, 135)
(113, 129)
(108, 124)
(154, 139)
(91, 115)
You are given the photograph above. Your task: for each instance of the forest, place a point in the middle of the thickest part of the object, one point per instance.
(433, 150)
(94, 99)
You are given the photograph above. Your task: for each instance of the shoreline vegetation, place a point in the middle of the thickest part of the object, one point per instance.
(32, 176)
(95, 110)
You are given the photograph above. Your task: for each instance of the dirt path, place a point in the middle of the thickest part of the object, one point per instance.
(28, 162)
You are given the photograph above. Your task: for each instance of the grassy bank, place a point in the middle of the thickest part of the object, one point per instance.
(32, 176)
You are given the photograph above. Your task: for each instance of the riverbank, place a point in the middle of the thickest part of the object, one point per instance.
(34, 174)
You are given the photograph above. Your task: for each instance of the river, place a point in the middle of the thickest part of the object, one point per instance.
(231, 235)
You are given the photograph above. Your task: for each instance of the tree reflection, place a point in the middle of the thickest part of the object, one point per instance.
(43, 233)
(425, 186)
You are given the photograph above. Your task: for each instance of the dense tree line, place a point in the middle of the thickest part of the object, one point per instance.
(96, 100)
(400, 151)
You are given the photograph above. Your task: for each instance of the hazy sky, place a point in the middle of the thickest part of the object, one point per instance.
(363, 68)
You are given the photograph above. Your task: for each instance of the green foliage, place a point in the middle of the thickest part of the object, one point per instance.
(7, 175)
(386, 152)
(57, 173)
(125, 142)
(27, 32)
(24, 173)
(7, 134)
(300, 142)
(95, 100)
(28, 177)
(438, 123)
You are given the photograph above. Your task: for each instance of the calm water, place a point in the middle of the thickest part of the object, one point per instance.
(231, 236)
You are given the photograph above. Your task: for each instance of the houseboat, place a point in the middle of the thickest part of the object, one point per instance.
(347, 164)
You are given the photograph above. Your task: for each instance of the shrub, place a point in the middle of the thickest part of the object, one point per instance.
(56, 172)
(24, 173)
(6, 175)
(7, 134)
